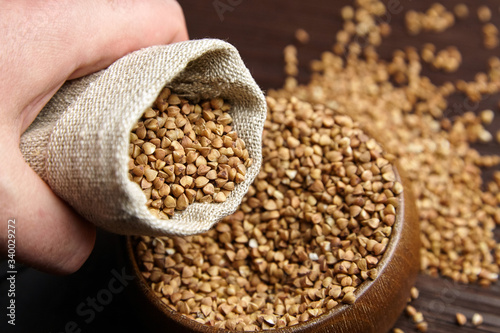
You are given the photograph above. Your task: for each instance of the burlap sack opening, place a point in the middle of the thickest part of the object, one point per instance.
(79, 142)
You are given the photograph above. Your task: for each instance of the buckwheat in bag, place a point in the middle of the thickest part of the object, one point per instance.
(79, 142)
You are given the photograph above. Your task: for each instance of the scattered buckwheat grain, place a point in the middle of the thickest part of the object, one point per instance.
(461, 11)
(302, 36)
(477, 319)
(461, 319)
(484, 14)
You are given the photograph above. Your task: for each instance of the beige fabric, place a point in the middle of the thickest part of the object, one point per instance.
(79, 142)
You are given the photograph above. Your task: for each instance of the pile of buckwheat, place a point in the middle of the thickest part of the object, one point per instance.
(457, 215)
(181, 152)
(318, 217)
(311, 229)
(407, 112)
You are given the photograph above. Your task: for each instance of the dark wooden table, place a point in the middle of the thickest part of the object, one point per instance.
(260, 29)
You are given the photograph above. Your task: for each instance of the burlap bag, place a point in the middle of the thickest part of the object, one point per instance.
(79, 142)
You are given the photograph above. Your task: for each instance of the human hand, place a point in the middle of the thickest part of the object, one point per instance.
(43, 44)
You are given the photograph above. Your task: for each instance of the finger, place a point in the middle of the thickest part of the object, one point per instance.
(50, 236)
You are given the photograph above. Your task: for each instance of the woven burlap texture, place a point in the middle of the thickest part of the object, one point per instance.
(79, 142)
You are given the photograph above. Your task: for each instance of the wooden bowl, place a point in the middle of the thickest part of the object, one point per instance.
(378, 303)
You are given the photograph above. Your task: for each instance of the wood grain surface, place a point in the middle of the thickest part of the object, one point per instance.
(260, 30)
